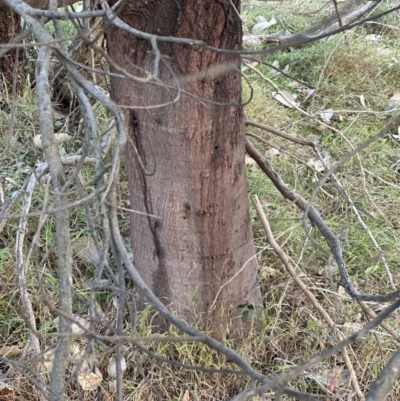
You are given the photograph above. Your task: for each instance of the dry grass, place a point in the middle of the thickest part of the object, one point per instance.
(288, 330)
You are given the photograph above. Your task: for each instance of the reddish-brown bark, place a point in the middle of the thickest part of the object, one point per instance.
(9, 27)
(41, 4)
(195, 152)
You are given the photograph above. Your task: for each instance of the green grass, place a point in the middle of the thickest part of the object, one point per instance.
(289, 329)
(341, 69)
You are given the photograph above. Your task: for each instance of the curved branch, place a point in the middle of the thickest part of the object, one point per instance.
(316, 219)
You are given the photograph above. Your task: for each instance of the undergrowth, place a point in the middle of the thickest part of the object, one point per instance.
(353, 76)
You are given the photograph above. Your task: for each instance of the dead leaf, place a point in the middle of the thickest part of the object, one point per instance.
(76, 352)
(321, 128)
(326, 115)
(249, 161)
(308, 92)
(286, 98)
(316, 165)
(186, 396)
(262, 24)
(6, 392)
(76, 329)
(10, 351)
(269, 272)
(85, 249)
(112, 366)
(373, 38)
(48, 360)
(89, 381)
(252, 40)
(112, 386)
(247, 64)
(276, 65)
(361, 98)
(272, 152)
(58, 139)
(394, 103)
(329, 377)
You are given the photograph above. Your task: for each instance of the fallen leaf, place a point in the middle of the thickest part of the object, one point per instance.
(361, 98)
(58, 139)
(263, 25)
(269, 272)
(249, 161)
(327, 376)
(10, 351)
(321, 128)
(308, 92)
(394, 103)
(48, 360)
(326, 115)
(276, 65)
(273, 152)
(286, 98)
(246, 65)
(85, 249)
(112, 386)
(112, 366)
(373, 38)
(6, 392)
(316, 165)
(251, 40)
(76, 329)
(89, 381)
(186, 396)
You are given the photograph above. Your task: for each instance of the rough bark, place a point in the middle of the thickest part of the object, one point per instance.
(196, 151)
(42, 4)
(9, 27)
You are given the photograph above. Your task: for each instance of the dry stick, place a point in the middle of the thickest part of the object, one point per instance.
(381, 179)
(9, 204)
(313, 145)
(172, 319)
(61, 220)
(285, 260)
(22, 271)
(382, 385)
(68, 161)
(370, 312)
(338, 13)
(280, 133)
(298, 370)
(336, 251)
(315, 218)
(282, 150)
(361, 221)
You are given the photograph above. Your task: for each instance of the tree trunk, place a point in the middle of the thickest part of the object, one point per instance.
(9, 27)
(199, 258)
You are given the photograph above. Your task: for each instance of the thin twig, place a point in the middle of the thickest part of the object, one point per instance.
(311, 213)
(288, 266)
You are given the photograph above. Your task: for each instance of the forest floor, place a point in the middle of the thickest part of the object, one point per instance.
(356, 80)
(345, 89)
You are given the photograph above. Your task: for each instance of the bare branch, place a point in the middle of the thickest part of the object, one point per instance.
(315, 218)
(62, 221)
(382, 385)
